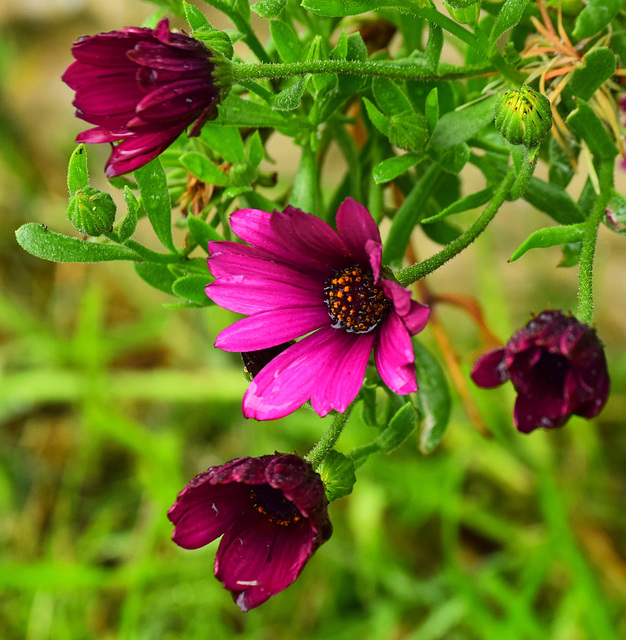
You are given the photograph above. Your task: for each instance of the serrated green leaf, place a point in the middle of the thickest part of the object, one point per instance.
(215, 41)
(155, 198)
(596, 68)
(549, 237)
(49, 245)
(458, 126)
(129, 223)
(400, 427)
(192, 287)
(226, 141)
(269, 8)
(590, 128)
(290, 98)
(470, 201)
(196, 19)
(391, 168)
(508, 16)
(595, 16)
(390, 98)
(433, 397)
(77, 176)
(286, 41)
(202, 232)
(156, 275)
(201, 167)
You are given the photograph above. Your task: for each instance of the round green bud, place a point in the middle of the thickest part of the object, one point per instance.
(523, 116)
(337, 473)
(91, 211)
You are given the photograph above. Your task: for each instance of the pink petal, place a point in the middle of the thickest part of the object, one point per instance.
(490, 370)
(417, 318)
(374, 252)
(356, 226)
(394, 356)
(532, 412)
(248, 295)
(271, 328)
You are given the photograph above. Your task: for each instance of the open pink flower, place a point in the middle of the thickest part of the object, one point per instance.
(143, 87)
(272, 513)
(298, 277)
(557, 366)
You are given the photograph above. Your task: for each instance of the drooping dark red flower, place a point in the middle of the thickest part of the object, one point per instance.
(299, 278)
(272, 515)
(557, 366)
(142, 87)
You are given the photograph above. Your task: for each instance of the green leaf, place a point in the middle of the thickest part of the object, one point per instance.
(405, 130)
(400, 427)
(290, 98)
(268, 8)
(340, 51)
(561, 169)
(238, 112)
(452, 159)
(254, 149)
(589, 127)
(340, 8)
(616, 215)
(215, 41)
(595, 16)
(571, 254)
(549, 237)
(226, 141)
(554, 201)
(458, 126)
(202, 232)
(597, 67)
(434, 47)
(129, 223)
(156, 275)
(433, 397)
(196, 19)
(338, 477)
(305, 192)
(201, 167)
(389, 97)
(470, 201)
(77, 176)
(286, 41)
(191, 288)
(42, 243)
(391, 168)
(509, 15)
(155, 198)
(190, 266)
(431, 109)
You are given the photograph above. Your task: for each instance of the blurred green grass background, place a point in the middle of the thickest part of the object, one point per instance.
(110, 404)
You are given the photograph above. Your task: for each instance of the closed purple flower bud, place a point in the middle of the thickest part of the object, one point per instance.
(557, 366)
(142, 87)
(272, 515)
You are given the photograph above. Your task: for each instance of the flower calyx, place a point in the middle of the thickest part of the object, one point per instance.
(91, 211)
(523, 116)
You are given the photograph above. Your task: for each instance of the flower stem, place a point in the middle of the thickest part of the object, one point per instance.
(417, 271)
(319, 452)
(381, 69)
(362, 453)
(590, 237)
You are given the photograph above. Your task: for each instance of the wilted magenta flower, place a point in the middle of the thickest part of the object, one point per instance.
(143, 87)
(272, 514)
(557, 367)
(298, 277)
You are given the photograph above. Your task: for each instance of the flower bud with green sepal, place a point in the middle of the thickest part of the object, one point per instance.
(337, 473)
(523, 116)
(91, 211)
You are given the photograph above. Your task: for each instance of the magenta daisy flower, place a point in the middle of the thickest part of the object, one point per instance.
(557, 366)
(142, 87)
(298, 277)
(272, 515)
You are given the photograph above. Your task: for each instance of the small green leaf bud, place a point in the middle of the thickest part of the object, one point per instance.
(337, 473)
(91, 211)
(523, 116)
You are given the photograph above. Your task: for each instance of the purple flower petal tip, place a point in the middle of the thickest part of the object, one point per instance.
(557, 366)
(272, 515)
(142, 88)
(298, 279)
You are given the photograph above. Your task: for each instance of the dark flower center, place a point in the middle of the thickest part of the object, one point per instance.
(354, 302)
(273, 504)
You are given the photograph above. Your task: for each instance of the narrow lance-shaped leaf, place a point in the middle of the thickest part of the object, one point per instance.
(77, 176)
(549, 237)
(156, 200)
(39, 241)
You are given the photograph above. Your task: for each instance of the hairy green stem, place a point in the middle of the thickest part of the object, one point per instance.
(147, 254)
(319, 452)
(590, 237)
(242, 71)
(417, 271)
(362, 453)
